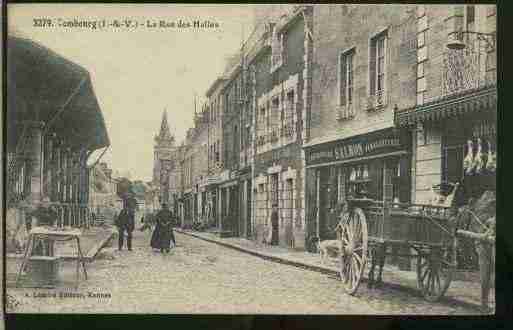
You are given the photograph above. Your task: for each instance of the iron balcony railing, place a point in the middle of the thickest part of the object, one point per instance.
(468, 69)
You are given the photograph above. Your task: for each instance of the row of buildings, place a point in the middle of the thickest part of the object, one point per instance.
(327, 100)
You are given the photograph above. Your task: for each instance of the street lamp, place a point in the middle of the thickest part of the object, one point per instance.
(455, 39)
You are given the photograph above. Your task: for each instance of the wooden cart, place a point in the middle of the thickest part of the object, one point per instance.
(425, 230)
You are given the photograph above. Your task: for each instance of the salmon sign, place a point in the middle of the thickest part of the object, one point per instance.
(357, 147)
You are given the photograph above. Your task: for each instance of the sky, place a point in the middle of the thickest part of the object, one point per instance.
(137, 73)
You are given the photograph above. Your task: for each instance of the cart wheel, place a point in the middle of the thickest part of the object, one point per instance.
(354, 250)
(435, 270)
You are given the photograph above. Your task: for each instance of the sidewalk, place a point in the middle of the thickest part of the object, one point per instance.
(462, 292)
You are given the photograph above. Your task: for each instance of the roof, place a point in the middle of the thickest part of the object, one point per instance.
(214, 85)
(44, 86)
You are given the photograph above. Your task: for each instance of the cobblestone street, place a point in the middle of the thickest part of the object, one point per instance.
(202, 277)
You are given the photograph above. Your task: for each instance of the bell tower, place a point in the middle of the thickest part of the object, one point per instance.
(163, 151)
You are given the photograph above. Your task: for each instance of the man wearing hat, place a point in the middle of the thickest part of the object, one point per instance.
(125, 223)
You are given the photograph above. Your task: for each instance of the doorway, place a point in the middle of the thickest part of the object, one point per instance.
(248, 208)
(288, 211)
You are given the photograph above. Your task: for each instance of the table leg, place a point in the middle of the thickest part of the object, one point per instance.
(81, 257)
(25, 258)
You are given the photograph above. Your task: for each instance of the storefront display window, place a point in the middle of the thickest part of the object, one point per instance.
(469, 157)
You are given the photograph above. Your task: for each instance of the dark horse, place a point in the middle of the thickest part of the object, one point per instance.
(478, 216)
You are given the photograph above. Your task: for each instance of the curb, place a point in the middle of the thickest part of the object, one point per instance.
(323, 269)
(263, 255)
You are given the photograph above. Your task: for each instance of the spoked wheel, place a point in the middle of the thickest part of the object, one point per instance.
(354, 250)
(435, 270)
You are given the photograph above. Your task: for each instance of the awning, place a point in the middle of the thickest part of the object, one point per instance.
(471, 102)
(44, 86)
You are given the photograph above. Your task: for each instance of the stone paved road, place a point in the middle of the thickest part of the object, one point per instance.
(201, 277)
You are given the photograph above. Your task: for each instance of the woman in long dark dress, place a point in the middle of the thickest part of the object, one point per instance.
(163, 233)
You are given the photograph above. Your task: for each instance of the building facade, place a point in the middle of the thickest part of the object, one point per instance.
(215, 142)
(362, 72)
(337, 101)
(280, 92)
(454, 120)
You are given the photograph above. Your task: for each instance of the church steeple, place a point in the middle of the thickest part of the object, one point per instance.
(165, 132)
(163, 150)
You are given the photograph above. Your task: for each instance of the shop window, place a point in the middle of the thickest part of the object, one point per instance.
(341, 185)
(469, 157)
(287, 202)
(392, 181)
(261, 204)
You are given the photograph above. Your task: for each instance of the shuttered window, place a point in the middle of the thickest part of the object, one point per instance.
(377, 63)
(346, 77)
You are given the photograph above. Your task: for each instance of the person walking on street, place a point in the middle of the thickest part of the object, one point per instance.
(274, 225)
(125, 223)
(163, 233)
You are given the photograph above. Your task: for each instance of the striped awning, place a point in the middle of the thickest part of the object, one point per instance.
(483, 100)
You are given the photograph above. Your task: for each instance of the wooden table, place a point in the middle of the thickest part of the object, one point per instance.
(53, 234)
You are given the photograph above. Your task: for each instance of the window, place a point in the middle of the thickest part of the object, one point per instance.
(470, 17)
(274, 193)
(276, 50)
(346, 78)
(216, 150)
(288, 115)
(377, 68)
(275, 119)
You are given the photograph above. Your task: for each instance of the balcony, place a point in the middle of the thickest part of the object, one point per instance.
(273, 136)
(288, 130)
(345, 112)
(260, 141)
(462, 79)
(467, 69)
(377, 100)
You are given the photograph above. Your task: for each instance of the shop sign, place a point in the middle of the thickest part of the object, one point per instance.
(357, 147)
(281, 156)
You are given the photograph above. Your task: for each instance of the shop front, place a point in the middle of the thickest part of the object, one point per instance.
(228, 193)
(374, 165)
(469, 155)
(456, 142)
(277, 182)
(208, 189)
(187, 215)
(245, 202)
